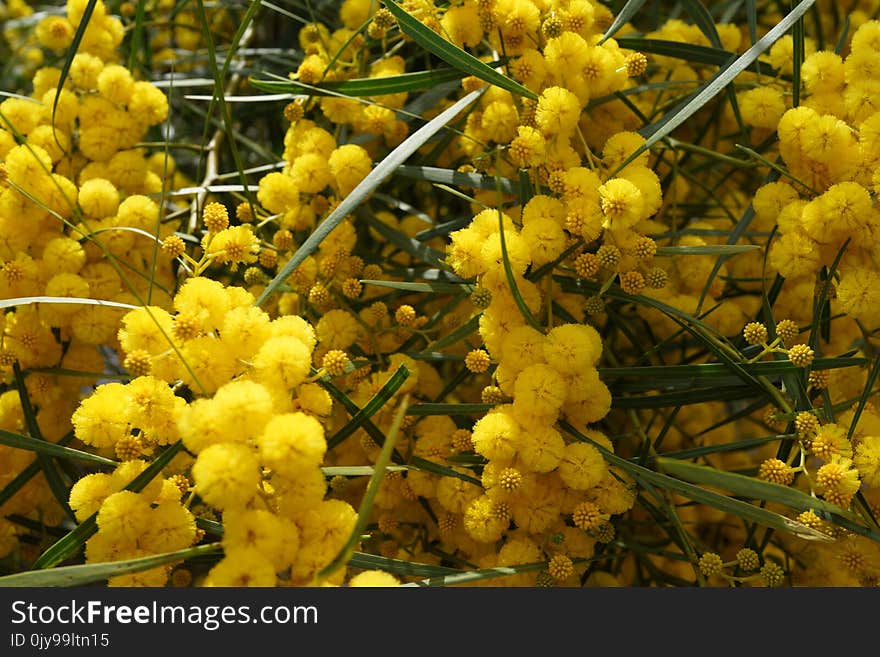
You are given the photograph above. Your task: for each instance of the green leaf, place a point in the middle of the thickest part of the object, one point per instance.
(377, 401)
(660, 373)
(863, 398)
(419, 463)
(51, 449)
(452, 54)
(626, 12)
(691, 53)
(415, 248)
(363, 189)
(397, 566)
(222, 75)
(736, 446)
(69, 544)
(20, 480)
(685, 397)
(448, 409)
(797, 37)
(749, 487)
(511, 280)
(357, 470)
(366, 506)
(451, 177)
(708, 249)
(431, 288)
(480, 574)
(660, 129)
(25, 301)
(59, 488)
(71, 52)
(731, 505)
(83, 574)
(366, 87)
(451, 338)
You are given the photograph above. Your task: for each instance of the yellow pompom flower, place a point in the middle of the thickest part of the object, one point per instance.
(98, 421)
(349, 164)
(337, 329)
(54, 32)
(867, 460)
(572, 348)
(823, 72)
(621, 203)
(153, 408)
(124, 516)
(203, 299)
(539, 390)
(373, 579)
(275, 538)
(481, 521)
(541, 448)
(227, 475)
(496, 435)
(557, 113)
(232, 246)
(116, 84)
(582, 466)
(858, 294)
(242, 567)
(282, 362)
(148, 105)
(291, 443)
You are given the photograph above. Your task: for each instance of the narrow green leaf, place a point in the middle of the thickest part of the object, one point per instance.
(451, 338)
(686, 397)
(51, 449)
(27, 474)
(211, 527)
(357, 470)
(688, 52)
(452, 54)
(472, 576)
(57, 485)
(736, 446)
(67, 546)
(366, 506)
(451, 177)
(863, 398)
(366, 87)
(797, 57)
(749, 487)
(397, 566)
(626, 12)
(353, 409)
(222, 74)
(71, 52)
(711, 370)
(25, 301)
(83, 574)
(372, 407)
(511, 280)
(363, 189)
(708, 249)
(415, 248)
(431, 288)
(448, 409)
(737, 507)
(706, 22)
(658, 130)
(419, 463)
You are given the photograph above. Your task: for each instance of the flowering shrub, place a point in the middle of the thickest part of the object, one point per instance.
(441, 289)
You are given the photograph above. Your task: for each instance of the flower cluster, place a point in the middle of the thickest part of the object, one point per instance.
(549, 342)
